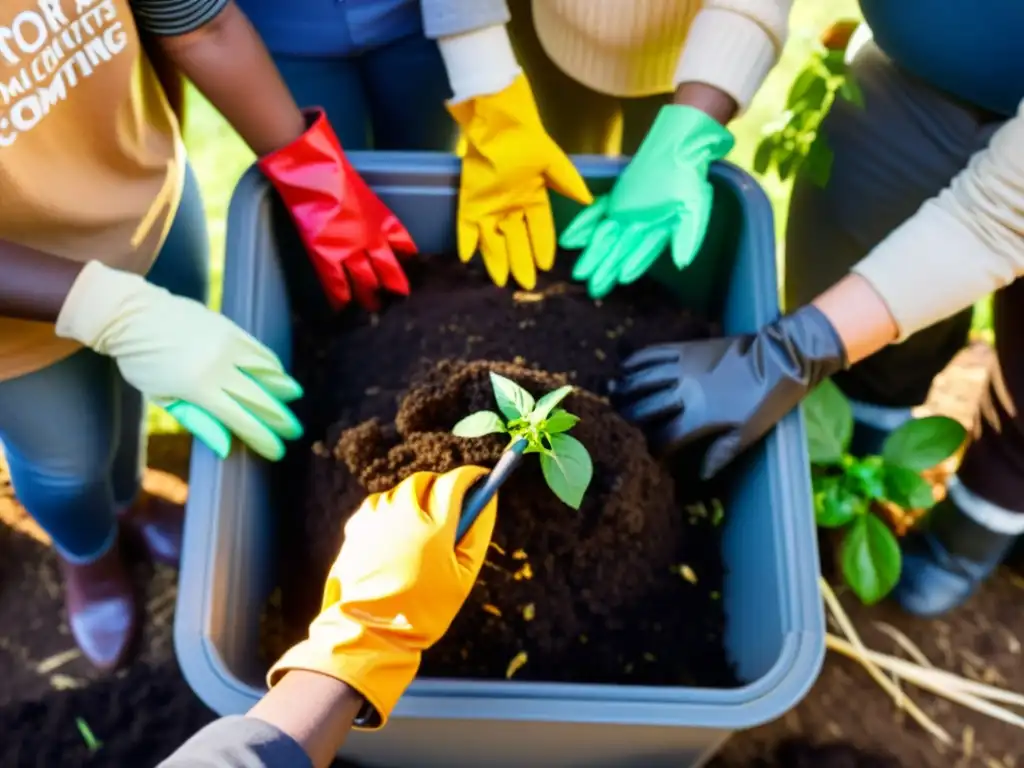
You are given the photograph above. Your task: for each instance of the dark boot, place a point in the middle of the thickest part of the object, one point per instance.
(102, 608)
(155, 523)
(945, 562)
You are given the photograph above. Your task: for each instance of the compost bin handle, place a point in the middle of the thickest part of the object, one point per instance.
(485, 488)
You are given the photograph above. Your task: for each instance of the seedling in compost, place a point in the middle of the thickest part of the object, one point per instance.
(849, 490)
(543, 425)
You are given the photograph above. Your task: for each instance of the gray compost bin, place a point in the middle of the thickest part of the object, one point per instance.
(775, 627)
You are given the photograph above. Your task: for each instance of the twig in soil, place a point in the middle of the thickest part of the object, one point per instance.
(1014, 579)
(66, 683)
(940, 681)
(517, 663)
(904, 642)
(57, 661)
(967, 742)
(91, 742)
(899, 698)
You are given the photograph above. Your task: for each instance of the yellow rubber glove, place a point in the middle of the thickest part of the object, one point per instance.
(212, 376)
(395, 588)
(510, 162)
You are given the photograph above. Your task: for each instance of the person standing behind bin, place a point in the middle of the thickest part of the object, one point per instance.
(922, 216)
(656, 80)
(103, 271)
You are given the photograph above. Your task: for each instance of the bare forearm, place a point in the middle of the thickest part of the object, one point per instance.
(315, 710)
(708, 99)
(228, 63)
(859, 315)
(33, 285)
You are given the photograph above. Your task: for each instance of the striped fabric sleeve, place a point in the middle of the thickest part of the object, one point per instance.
(168, 18)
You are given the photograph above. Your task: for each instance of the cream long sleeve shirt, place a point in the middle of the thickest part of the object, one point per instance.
(631, 47)
(961, 245)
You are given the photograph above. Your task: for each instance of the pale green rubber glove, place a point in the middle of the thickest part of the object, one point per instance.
(663, 196)
(204, 370)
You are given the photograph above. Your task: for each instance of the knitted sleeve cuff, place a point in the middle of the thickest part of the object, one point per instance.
(931, 267)
(730, 51)
(479, 63)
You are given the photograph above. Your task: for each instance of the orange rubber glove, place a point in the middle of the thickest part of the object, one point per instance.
(510, 162)
(394, 589)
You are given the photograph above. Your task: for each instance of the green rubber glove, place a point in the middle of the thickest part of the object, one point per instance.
(215, 379)
(255, 432)
(663, 196)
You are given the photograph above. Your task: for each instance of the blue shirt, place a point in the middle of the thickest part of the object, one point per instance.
(973, 49)
(332, 27)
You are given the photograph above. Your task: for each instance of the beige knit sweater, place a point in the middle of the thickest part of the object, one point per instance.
(960, 246)
(634, 47)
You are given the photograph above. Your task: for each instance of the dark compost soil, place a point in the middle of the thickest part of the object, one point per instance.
(627, 589)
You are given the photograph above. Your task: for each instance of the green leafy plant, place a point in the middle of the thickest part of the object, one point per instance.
(848, 490)
(564, 460)
(792, 143)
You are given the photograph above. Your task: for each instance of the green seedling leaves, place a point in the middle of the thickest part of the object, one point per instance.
(829, 421)
(866, 477)
(560, 421)
(907, 488)
(567, 469)
(845, 487)
(871, 559)
(479, 424)
(513, 401)
(835, 505)
(91, 742)
(763, 154)
(795, 144)
(850, 91)
(818, 163)
(920, 444)
(547, 404)
(566, 465)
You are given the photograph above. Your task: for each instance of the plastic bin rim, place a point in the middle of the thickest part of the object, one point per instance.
(759, 701)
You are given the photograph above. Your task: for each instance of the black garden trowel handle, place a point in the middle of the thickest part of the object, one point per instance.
(485, 488)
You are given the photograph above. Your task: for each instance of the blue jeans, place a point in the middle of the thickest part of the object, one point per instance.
(391, 97)
(74, 433)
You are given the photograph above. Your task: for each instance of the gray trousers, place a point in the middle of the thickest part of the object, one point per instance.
(901, 149)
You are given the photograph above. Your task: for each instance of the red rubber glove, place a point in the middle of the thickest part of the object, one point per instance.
(351, 236)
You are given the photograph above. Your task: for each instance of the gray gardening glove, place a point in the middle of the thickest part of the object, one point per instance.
(736, 387)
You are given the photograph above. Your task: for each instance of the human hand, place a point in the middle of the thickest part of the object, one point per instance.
(504, 206)
(663, 197)
(352, 238)
(735, 388)
(395, 588)
(212, 376)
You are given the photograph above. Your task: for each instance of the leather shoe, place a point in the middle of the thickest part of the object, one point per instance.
(103, 612)
(946, 562)
(156, 523)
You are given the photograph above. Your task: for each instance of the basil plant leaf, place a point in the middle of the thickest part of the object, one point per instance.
(871, 559)
(479, 424)
(920, 444)
(513, 401)
(567, 469)
(829, 420)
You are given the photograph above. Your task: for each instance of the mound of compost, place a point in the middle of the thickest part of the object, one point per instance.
(625, 590)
